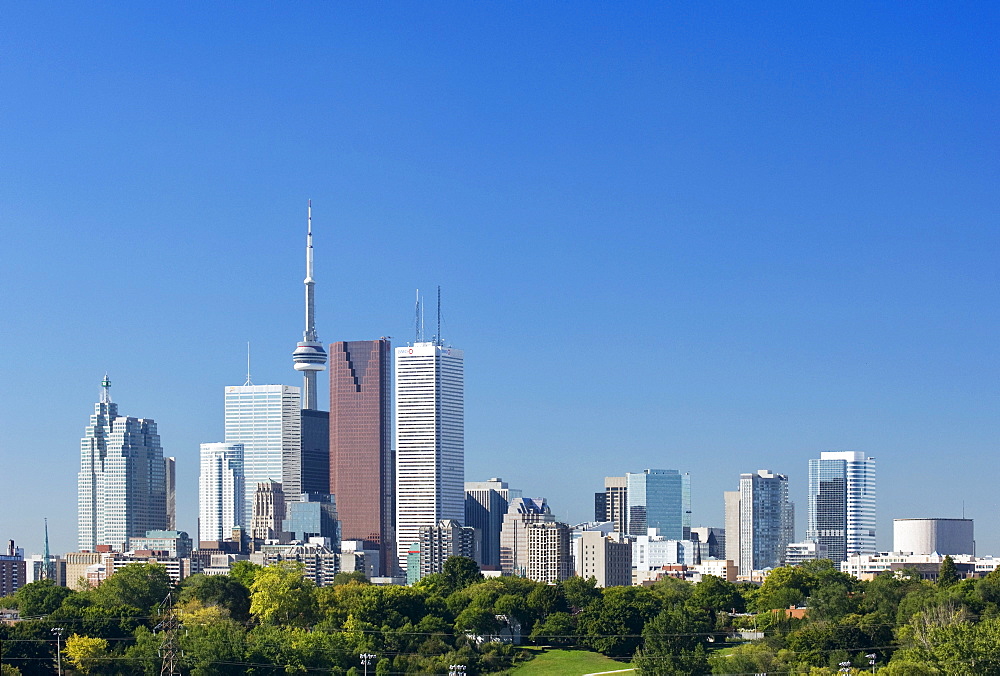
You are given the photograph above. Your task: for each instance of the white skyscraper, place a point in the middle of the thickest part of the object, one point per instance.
(265, 419)
(842, 503)
(220, 491)
(121, 486)
(430, 439)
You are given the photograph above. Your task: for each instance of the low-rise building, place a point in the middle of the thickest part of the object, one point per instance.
(176, 543)
(651, 552)
(721, 568)
(797, 553)
(927, 566)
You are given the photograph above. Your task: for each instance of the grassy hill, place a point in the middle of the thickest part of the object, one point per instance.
(555, 662)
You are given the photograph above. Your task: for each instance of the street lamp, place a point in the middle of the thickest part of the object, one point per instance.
(456, 670)
(58, 632)
(366, 659)
(871, 660)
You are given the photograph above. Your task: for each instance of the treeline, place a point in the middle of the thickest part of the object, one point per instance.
(273, 620)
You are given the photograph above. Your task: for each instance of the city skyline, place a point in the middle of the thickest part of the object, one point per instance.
(782, 222)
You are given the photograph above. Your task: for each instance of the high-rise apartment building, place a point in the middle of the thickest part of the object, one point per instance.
(521, 512)
(442, 541)
(266, 421)
(430, 439)
(764, 521)
(12, 569)
(842, 503)
(659, 498)
(361, 461)
(121, 486)
(549, 557)
(485, 506)
(221, 491)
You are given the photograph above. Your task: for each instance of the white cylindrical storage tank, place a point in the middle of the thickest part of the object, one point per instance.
(933, 536)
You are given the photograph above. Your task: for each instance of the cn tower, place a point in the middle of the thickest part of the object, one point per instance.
(309, 356)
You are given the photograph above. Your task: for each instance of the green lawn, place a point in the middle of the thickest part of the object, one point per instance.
(555, 662)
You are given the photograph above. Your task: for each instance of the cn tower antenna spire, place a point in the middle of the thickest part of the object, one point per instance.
(309, 356)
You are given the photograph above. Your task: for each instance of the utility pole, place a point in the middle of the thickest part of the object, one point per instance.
(58, 632)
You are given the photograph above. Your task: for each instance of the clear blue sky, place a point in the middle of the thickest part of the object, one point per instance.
(715, 237)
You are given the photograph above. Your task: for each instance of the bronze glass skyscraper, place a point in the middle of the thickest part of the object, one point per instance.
(361, 463)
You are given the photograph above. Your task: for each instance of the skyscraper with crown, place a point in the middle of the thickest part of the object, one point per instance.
(121, 486)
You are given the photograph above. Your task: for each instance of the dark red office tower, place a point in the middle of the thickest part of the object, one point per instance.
(362, 474)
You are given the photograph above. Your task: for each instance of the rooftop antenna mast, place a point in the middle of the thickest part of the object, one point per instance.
(106, 390)
(440, 342)
(248, 382)
(417, 337)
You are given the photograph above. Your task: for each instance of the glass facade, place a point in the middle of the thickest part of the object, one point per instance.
(121, 486)
(266, 420)
(766, 521)
(361, 472)
(842, 503)
(313, 516)
(485, 506)
(659, 498)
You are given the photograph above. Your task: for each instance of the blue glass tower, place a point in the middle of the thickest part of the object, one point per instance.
(659, 498)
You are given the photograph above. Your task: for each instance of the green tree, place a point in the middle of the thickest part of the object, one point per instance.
(281, 594)
(580, 592)
(545, 599)
(785, 586)
(244, 572)
(674, 642)
(613, 624)
(222, 591)
(40, 598)
(557, 629)
(461, 571)
(347, 577)
(477, 621)
(139, 585)
(715, 594)
(947, 573)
